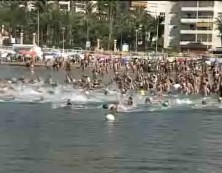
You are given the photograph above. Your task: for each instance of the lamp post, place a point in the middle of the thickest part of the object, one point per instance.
(63, 39)
(98, 43)
(38, 29)
(114, 42)
(157, 28)
(3, 28)
(21, 37)
(33, 39)
(157, 32)
(157, 22)
(136, 39)
(146, 39)
(1, 36)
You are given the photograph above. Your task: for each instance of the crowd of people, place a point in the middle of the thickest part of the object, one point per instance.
(156, 76)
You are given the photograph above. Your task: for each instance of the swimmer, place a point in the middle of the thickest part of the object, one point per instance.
(105, 106)
(148, 100)
(109, 106)
(106, 92)
(219, 99)
(130, 101)
(68, 103)
(204, 102)
(165, 103)
(123, 91)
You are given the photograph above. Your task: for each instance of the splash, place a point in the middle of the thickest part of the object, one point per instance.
(57, 96)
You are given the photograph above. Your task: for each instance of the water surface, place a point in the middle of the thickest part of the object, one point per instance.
(38, 139)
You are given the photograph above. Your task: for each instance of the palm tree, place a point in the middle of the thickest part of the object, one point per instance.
(102, 10)
(152, 28)
(49, 21)
(219, 26)
(88, 17)
(112, 9)
(141, 20)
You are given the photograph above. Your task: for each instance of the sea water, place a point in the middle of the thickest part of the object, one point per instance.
(42, 138)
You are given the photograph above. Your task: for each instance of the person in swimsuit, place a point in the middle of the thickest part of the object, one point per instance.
(68, 103)
(130, 101)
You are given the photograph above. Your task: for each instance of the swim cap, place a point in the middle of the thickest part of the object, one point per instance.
(148, 100)
(204, 102)
(105, 106)
(165, 103)
(105, 92)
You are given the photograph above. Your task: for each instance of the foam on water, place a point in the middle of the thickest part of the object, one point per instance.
(82, 99)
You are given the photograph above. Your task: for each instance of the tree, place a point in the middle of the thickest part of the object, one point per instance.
(219, 26)
(106, 24)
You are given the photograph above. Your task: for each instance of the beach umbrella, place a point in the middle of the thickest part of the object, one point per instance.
(28, 53)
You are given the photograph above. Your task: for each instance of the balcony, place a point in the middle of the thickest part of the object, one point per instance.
(197, 9)
(196, 32)
(184, 43)
(188, 20)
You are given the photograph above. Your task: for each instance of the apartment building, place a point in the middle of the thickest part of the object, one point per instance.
(138, 3)
(191, 24)
(63, 5)
(156, 8)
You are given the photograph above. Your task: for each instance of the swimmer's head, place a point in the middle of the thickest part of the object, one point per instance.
(106, 92)
(148, 100)
(204, 102)
(105, 106)
(165, 103)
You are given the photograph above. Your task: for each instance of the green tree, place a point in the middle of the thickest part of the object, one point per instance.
(107, 23)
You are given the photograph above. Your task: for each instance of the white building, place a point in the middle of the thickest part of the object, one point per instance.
(75, 6)
(191, 24)
(63, 5)
(156, 7)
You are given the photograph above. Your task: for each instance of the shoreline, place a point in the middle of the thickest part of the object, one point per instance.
(20, 64)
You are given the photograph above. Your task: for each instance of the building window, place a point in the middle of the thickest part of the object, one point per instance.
(188, 37)
(64, 7)
(192, 27)
(204, 37)
(206, 3)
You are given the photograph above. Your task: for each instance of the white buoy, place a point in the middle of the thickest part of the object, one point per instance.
(110, 117)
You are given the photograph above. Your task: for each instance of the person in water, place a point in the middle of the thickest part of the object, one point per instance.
(68, 103)
(220, 90)
(130, 101)
(106, 92)
(204, 102)
(148, 100)
(111, 107)
(219, 99)
(165, 103)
